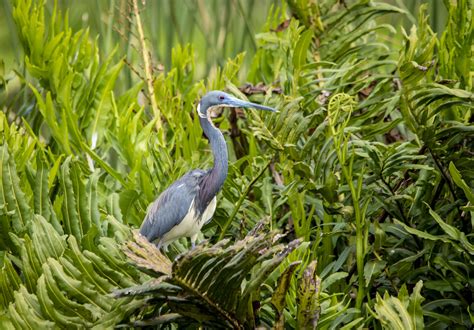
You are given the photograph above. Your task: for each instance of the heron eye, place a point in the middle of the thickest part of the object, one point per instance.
(221, 97)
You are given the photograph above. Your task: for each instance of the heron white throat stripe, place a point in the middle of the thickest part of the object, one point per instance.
(200, 114)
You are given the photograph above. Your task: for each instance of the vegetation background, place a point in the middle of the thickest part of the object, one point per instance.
(353, 207)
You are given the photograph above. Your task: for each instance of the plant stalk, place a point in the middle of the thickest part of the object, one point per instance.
(148, 70)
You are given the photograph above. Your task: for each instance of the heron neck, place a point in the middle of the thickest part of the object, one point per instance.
(218, 173)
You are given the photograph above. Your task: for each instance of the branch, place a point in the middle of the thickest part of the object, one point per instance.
(148, 68)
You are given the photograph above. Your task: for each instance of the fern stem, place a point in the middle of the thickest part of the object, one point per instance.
(182, 282)
(443, 174)
(360, 250)
(241, 200)
(393, 193)
(338, 105)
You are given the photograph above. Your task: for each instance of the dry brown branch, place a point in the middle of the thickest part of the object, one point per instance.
(148, 68)
(145, 255)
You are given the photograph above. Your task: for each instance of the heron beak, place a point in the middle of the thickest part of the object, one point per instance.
(235, 102)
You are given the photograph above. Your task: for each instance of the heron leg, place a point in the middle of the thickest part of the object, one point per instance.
(162, 247)
(193, 241)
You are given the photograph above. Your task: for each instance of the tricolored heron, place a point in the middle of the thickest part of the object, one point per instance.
(188, 203)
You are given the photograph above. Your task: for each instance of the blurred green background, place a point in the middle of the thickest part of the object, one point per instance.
(217, 29)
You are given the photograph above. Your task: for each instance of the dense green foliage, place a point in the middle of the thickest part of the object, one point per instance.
(351, 207)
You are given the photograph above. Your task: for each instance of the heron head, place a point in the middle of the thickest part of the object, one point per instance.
(221, 99)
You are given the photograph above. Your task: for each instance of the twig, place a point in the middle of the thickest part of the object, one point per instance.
(276, 176)
(148, 68)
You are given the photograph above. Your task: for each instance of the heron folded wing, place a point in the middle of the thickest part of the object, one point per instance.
(169, 209)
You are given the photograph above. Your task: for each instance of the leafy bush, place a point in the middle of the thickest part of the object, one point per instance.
(358, 192)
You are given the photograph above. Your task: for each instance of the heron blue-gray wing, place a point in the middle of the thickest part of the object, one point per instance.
(171, 206)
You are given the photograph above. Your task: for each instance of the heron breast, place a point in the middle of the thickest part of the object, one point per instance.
(209, 211)
(191, 223)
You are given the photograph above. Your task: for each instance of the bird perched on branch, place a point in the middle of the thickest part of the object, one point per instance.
(188, 203)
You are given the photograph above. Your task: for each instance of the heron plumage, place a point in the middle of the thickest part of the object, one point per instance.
(170, 208)
(191, 224)
(183, 208)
